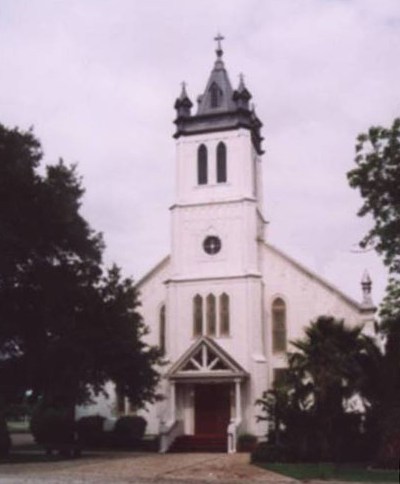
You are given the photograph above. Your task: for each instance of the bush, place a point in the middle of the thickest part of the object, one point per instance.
(266, 452)
(247, 442)
(90, 430)
(388, 456)
(5, 441)
(129, 431)
(52, 425)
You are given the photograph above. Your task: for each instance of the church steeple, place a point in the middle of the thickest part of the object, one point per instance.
(218, 94)
(220, 108)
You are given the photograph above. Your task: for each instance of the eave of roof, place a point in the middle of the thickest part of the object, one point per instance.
(321, 280)
(160, 265)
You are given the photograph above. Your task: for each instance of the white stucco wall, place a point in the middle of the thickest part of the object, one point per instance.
(306, 296)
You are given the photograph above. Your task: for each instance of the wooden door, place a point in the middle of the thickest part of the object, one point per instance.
(212, 408)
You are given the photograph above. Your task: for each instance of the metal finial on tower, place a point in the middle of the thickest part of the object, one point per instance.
(219, 38)
(241, 81)
(366, 286)
(183, 91)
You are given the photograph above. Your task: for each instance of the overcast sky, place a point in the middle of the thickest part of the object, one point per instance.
(98, 79)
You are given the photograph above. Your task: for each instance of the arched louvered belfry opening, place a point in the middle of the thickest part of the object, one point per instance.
(202, 165)
(278, 325)
(222, 174)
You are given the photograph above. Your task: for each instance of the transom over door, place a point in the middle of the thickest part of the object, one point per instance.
(212, 408)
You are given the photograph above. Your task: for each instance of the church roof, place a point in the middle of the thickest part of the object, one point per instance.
(360, 307)
(219, 80)
(153, 271)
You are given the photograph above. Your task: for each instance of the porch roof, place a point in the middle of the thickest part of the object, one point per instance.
(206, 360)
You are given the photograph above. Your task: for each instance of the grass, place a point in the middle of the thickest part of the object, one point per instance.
(325, 471)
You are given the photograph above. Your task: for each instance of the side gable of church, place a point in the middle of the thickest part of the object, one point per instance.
(152, 296)
(305, 294)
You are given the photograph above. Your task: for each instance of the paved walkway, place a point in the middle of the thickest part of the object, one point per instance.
(143, 468)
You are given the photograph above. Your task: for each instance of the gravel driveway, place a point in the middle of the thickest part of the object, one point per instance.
(143, 468)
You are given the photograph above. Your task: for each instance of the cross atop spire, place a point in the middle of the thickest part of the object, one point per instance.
(218, 39)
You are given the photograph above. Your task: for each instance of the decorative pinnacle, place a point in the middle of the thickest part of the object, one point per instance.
(218, 39)
(241, 81)
(366, 282)
(183, 92)
(366, 286)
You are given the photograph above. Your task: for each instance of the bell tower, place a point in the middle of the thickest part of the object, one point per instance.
(217, 217)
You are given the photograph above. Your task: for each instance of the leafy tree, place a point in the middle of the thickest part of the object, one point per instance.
(377, 176)
(381, 385)
(67, 326)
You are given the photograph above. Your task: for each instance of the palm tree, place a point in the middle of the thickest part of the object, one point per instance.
(327, 362)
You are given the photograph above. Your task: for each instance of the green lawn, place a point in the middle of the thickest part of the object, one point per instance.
(332, 471)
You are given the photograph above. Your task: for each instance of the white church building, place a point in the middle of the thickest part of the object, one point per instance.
(225, 303)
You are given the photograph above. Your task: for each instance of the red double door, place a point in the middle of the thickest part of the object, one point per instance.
(212, 408)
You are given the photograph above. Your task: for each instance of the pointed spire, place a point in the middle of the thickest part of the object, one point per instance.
(366, 286)
(183, 104)
(218, 94)
(241, 87)
(219, 107)
(242, 96)
(183, 92)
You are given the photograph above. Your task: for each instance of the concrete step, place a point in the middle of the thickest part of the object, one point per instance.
(199, 443)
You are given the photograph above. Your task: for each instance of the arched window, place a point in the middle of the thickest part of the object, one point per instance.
(278, 325)
(202, 165)
(162, 329)
(197, 315)
(221, 163)
(211, 315)
(216, 95)
(224, 314)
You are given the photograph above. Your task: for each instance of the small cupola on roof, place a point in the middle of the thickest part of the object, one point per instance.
(220, 108)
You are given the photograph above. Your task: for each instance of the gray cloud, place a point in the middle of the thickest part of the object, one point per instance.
(98, 80)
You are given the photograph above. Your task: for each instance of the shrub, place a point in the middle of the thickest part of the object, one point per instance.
(388, 456)
(90, 430)
(5, 441)
(52, 425)
(129, 431)
(266, 452)
(247, 442)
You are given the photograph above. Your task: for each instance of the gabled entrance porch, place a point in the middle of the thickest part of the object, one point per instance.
(205, 397)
